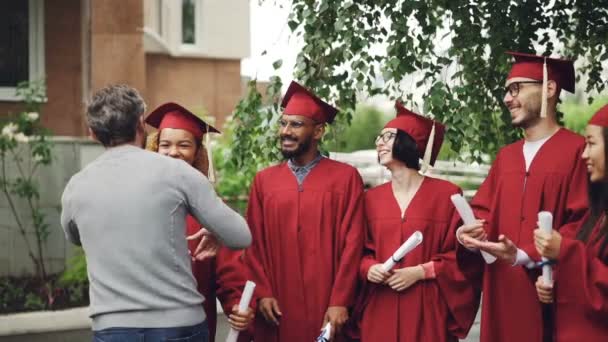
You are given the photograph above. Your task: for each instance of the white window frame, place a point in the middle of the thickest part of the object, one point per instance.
(197, 47)
(36, 49)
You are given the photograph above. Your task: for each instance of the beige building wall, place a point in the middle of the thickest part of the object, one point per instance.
(203, 85)
(117, 52)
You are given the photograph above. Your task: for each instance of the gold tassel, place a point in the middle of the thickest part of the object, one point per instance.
(543, 105)
(210, 169)
(428, 152)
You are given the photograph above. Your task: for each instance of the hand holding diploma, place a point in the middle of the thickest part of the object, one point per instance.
(400, 253)
(325, 334)
(335, 316)
(466, 213)
(242, 315)
(547, 243)
(545, 222)
(544, 292)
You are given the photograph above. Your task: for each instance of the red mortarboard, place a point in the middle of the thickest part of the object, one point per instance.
(600, 118)
(427, 133)
(300, 101)
(531, 66)
(172, 115)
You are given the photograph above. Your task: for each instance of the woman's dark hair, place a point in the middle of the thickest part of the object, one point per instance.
(405, 150)
(598, 205)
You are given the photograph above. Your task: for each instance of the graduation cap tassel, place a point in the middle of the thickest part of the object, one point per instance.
(543, 106)
(428, 152)
(210, 169)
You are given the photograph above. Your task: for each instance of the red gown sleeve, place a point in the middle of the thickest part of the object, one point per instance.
(582, 278)
(350, 240)
(231, 277)
(456, 290)
(471, 263)
(369, 253)
(576, 205)
(254, 255)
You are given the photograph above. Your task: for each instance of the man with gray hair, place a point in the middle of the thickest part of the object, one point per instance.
(141, 284)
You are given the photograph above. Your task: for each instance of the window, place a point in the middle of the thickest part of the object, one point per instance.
(189, 22)
(21, 45)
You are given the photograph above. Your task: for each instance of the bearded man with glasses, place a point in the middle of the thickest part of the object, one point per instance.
(306, 217)
(542, 172)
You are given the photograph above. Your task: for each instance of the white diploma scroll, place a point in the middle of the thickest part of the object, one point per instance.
(407, 247)
(466, 213)
(325, 333)
(233, 335)
(545, 222)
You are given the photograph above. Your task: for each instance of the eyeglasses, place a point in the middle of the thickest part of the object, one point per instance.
(385, 137)
(513, 88)
(295, 123)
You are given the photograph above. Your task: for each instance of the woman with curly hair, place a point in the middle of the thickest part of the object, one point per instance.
(180, 135)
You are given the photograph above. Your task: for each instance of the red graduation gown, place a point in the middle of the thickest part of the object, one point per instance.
(509, 200)
(440, 309)
(307, 244)
(581, 290)
(223, 276)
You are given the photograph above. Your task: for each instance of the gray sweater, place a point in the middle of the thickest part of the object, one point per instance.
(128, 210)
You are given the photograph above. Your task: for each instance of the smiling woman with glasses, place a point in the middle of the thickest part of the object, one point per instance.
(385, 137)
(424, 298)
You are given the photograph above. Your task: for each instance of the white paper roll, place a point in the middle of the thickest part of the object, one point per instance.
(405, 248)
(325, 333)
(545, 223)
(466, 213)
(233, 335)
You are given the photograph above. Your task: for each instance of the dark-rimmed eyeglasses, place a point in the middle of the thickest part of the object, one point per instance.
(385, 137)
(513, 88)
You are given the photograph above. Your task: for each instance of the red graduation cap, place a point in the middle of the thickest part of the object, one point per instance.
(427, 133)
(531, 66)
(172, 115)
(600, 118)
(543, 68)
(300, 101)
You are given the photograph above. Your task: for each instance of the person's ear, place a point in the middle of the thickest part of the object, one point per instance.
(319, 131)
(92, 135)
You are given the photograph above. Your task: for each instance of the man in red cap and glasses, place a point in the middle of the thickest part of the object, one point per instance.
(542, 172)
(306, 219)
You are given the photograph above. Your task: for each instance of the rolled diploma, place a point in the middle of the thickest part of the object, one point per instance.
(325, 333)
(466, 213)
(233, 335)
(405, 248)
(545, 222)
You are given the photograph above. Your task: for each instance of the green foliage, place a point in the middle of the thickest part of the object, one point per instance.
(576, 114)
(452, 52)
(250, 140)
(76, 272)
(30, 294)
(360, 135)
(33, 302)
(24, 146)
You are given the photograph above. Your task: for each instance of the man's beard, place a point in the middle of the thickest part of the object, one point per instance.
(531, 118)
(302, 147)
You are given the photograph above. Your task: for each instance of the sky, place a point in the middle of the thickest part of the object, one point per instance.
(270, 33)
